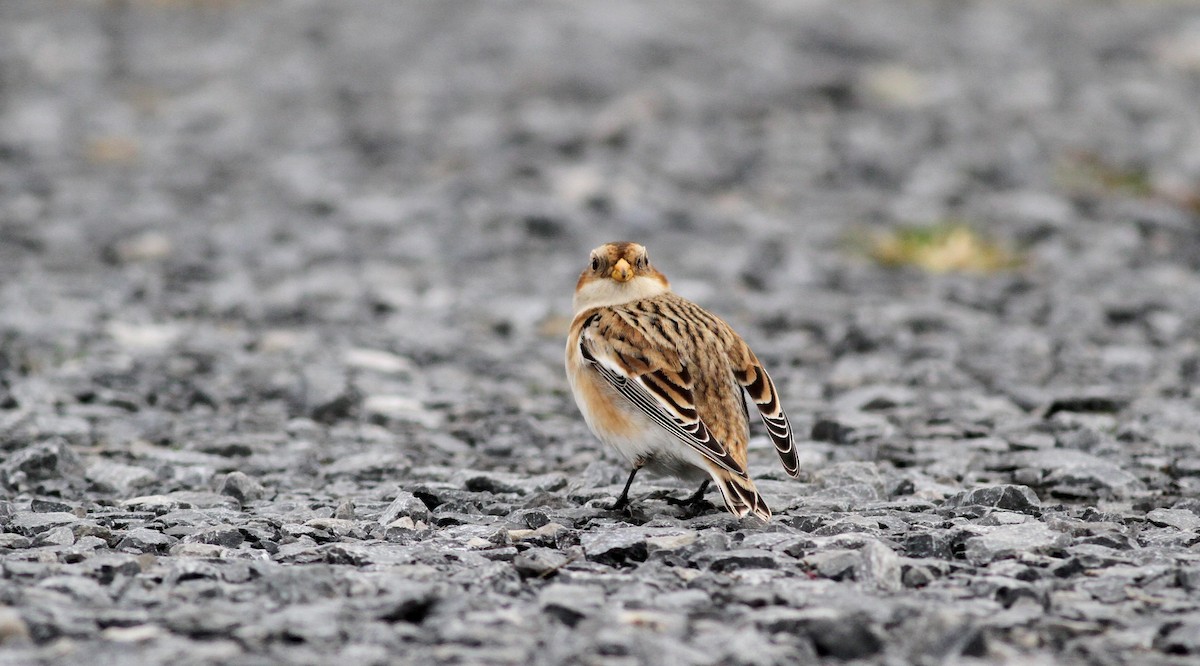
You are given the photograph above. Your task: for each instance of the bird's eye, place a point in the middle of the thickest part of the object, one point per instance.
(595, 263)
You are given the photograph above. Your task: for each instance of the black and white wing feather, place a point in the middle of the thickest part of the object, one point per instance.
(654, 379)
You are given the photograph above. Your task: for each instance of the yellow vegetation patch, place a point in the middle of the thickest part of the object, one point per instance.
(942, 248)
(1089, 174)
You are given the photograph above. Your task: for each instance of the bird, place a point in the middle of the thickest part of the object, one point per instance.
(660, 379)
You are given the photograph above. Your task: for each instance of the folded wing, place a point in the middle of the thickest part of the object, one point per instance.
(654, 379)
(758, 385)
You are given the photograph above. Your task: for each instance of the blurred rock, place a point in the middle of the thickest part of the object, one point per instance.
(617, 546)
(1180, 519)
(1013, 540)
(56, 536)
(146, 246)
(142, 540)
(738, 559)
(933, 543)
(241, 487)
(400, 408)
(1179, 638)
(218, 535)
(377, 360)
(369, 465)
(1075, 472)
(1009, 497)
(46, 461)
(32, 524)
(114, 477)
(13, 630)
(568, 604)
(879, 566)
(539, 562)
(851, 428)
(842, 636)
(405, 505)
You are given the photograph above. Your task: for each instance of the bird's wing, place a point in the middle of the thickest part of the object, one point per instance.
(652, 377)
(758, 385)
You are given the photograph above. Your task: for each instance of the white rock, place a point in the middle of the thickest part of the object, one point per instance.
(377, 360)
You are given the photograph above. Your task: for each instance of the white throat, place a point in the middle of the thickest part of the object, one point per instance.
(606, 293)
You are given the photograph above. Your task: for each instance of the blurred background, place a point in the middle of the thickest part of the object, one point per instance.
(281, 210)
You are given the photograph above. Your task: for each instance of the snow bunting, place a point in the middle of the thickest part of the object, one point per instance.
(661, 380)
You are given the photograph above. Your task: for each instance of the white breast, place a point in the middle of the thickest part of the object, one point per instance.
(607, 293)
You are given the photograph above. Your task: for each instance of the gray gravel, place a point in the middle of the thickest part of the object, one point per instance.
(283, 289)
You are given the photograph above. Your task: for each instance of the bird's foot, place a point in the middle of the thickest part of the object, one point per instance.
(623, 501)
(694, 500)
(622, 504)
(694, 504)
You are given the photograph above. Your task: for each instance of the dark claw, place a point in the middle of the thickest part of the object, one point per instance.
(694, 499)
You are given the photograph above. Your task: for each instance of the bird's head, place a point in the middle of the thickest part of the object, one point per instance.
(618, 273)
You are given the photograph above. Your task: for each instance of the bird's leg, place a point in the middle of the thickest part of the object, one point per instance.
(694, 498)
(698, 496)
(623, 500)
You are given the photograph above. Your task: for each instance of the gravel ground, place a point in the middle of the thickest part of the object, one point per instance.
(284, 287)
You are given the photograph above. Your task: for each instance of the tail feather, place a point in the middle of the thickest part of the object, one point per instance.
(740, 495)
